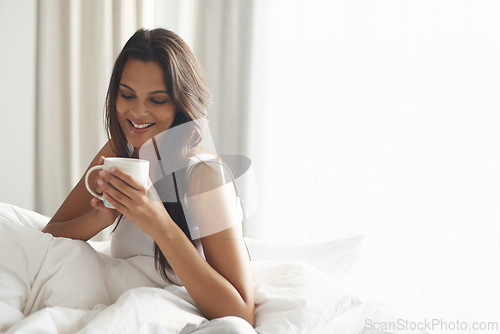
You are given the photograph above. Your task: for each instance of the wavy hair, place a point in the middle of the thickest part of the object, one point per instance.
(188, 92)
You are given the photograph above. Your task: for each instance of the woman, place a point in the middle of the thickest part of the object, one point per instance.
(158, 85)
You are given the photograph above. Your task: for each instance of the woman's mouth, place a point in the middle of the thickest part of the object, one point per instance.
(139, 127)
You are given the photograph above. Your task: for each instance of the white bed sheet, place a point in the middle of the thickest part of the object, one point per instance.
(58, 285)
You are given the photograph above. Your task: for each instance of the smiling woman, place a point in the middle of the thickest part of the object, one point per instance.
(157, 86)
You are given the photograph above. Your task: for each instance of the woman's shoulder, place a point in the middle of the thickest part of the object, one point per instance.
(207, 171)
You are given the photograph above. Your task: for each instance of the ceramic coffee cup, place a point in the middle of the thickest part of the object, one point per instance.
(137, 168)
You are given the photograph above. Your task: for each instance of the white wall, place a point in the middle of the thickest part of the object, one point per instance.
(17, 95)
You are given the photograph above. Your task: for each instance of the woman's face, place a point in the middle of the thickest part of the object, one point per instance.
(143, 106)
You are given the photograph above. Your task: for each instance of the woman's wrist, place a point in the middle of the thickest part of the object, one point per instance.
(166, 228)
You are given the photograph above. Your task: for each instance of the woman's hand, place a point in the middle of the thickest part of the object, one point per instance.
(130, 198)
(106, 215)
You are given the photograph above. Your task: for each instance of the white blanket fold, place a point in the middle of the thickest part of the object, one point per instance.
(38, 271)
(59, 285)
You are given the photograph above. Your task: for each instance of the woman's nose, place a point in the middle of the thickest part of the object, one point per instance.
(140, 110)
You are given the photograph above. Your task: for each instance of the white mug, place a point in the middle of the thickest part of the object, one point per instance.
(137, 168)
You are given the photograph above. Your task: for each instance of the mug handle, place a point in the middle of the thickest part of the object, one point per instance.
(87, 182)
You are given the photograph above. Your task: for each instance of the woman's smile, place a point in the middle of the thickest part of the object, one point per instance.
(138, 127)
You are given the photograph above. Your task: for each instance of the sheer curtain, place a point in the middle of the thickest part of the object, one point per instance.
(222, 43)
(381, 118)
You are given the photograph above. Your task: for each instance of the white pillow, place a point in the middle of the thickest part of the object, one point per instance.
(15, 215)
(335, 257)
(294, 297)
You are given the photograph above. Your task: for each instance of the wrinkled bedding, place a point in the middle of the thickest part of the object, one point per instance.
(59, 285)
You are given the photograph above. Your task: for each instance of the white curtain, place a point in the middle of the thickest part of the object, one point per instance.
(222, 43)
(77, 44)
(381, 118)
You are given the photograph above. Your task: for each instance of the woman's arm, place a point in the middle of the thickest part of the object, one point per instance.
(217, 212)
(222, 284)
(81, 216)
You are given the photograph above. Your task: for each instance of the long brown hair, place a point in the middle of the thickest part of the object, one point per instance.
(188, 92)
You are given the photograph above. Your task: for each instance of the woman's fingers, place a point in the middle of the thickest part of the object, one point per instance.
(117, 201)
(107, 180)
(122, 182)
(120, 188)
(98, 204)
(95, 179)
(127, 178)
(115, 187)
(99, 188)
(108, 215)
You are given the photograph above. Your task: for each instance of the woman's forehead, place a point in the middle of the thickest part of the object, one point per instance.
(143, 76)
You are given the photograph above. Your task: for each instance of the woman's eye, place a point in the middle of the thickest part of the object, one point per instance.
(159, 101)
(127, 97)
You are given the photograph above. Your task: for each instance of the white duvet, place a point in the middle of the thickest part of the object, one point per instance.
(58, 285)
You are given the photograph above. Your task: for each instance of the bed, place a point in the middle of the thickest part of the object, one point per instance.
(46, 287)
